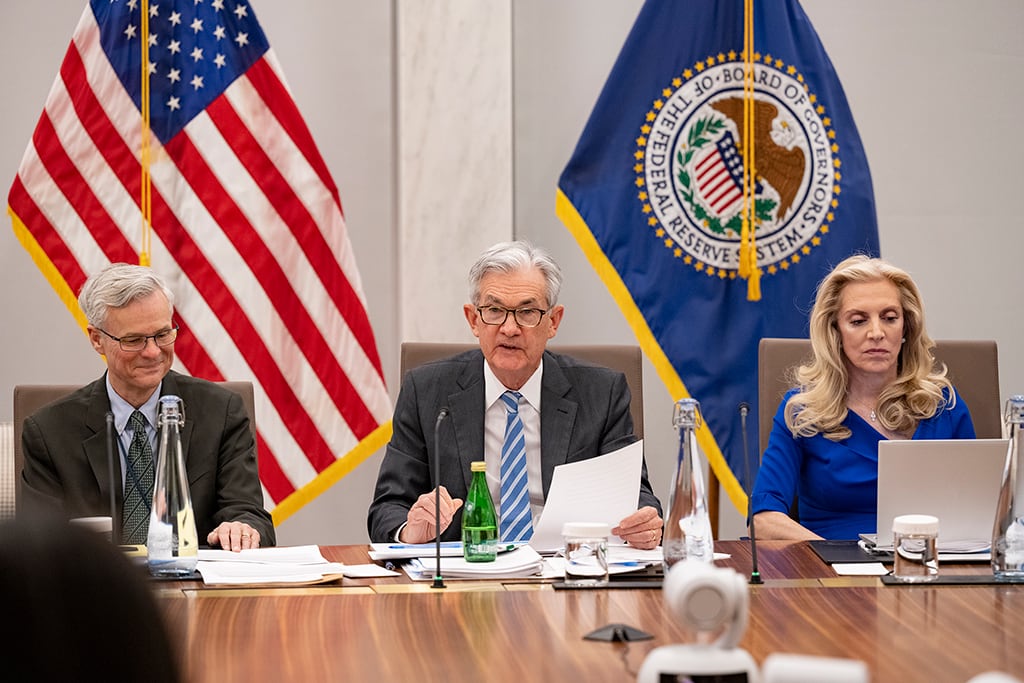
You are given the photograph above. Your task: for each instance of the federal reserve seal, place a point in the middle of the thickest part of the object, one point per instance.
(689, 166)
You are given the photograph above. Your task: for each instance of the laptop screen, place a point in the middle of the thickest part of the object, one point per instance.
(956, 480)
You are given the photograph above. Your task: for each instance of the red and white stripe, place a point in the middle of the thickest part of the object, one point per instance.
(716, 185)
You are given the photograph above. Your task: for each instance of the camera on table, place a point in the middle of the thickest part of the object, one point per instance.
(714, 603)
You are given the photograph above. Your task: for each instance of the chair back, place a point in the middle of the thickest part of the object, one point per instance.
(973, 367)
(28, 398)
(625, 358)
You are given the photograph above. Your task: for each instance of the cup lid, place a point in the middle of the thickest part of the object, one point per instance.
(586, 529)
(915, 524)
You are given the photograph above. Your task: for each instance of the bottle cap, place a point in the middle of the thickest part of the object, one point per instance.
(916, 524)
(478, 466)
(1015, 409)
(586, 530)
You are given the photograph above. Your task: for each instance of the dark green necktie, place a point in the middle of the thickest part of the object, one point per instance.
(138, 485)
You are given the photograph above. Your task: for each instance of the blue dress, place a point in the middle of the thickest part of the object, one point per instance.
(836, 482)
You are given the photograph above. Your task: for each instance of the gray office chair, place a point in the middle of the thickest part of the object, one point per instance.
(626, 359)
(973, 369)
(28, 398)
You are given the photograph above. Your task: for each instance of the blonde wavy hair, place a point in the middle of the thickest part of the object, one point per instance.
(917, 392)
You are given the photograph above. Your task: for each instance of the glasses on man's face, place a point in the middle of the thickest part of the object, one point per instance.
(137, 342)
(497, 315)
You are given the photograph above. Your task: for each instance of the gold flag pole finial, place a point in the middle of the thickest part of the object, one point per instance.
(145, 184)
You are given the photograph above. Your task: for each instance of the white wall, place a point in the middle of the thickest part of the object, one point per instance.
(934, 86)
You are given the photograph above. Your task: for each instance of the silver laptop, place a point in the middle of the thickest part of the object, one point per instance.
(956, 480)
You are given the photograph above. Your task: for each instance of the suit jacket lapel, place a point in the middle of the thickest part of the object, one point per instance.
(557, 417)
(95, 445)
(467, 416)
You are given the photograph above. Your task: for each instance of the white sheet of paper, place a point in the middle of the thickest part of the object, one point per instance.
(299, 554)
(367, 571)
(601, 489)
(216, 572)
(283, 564)
(860, 569)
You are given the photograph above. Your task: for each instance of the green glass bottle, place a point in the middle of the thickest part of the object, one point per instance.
(479, 522)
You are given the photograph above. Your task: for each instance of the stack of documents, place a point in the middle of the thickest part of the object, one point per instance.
(380, 552)
(622, 559)
(519, 563)
(295, 565)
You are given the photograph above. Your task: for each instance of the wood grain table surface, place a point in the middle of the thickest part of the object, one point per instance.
(394, 629)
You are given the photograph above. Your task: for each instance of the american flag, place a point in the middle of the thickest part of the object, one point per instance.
(247, 224)
(719, 175)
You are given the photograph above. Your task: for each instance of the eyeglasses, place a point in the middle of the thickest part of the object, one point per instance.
(497, 315)
(137, 342)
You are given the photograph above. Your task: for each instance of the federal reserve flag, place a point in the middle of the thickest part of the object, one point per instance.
(654, 193)
(247, 225)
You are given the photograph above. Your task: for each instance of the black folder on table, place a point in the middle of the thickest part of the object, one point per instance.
(832, 552)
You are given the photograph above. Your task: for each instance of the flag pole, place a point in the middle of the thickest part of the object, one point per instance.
(145, 184)
(748, 244)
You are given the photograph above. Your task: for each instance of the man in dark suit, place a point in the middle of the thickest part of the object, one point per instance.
(570, 410)
(130, 321)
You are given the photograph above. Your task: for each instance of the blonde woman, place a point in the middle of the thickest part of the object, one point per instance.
(872, 377)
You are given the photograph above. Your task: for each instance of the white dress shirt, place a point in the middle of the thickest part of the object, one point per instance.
(494, 435)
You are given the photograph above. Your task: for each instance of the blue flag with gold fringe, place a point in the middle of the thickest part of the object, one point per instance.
(654, 194)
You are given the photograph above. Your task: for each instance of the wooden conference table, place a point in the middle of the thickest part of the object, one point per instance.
(396, 630)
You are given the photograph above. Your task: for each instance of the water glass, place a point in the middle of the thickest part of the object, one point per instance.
(915, 548)
(586, 554)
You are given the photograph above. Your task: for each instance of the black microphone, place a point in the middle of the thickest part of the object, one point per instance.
(441, 415)
(115, 527)
(755, 576)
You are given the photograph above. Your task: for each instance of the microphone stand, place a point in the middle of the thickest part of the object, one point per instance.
(438, 579)
(115, 528)
(755, 575)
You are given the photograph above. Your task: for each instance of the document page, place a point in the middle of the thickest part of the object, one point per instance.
(603, 489)
(522, 562)
(261, 566)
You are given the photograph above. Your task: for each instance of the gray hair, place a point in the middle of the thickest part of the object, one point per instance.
(116, 286)
(510, 257)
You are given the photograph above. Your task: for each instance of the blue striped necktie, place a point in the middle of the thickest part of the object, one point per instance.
(516, 520)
